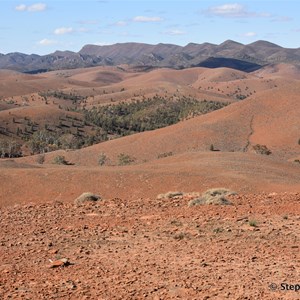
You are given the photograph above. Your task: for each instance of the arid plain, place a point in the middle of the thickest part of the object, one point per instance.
(133, 244)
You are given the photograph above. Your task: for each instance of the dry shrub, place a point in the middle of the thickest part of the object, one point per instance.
(60, 160)
(86, 197)
(262, 149)
(213, 197)
(170, 195)
(40, 159)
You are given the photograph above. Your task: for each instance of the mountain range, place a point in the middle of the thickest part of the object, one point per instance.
(230, 54)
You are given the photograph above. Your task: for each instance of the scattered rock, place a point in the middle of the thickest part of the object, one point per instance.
(272, 195)
(63, 262)
(53, 251)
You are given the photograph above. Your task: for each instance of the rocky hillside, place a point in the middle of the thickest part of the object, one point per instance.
(228, 54)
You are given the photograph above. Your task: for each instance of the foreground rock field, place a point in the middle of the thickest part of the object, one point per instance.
(152, 249)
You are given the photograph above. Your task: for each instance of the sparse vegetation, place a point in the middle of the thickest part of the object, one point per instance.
(153, 113)
(218, 230)
(213, 197)
(176, 223)
(125, 159)
(166, 154)
(87, 197)
(43, 141)
(240, 97)
(46, 140)
(180, 236)
(62, 95)
(262, 149)
(60, 160)
(99, 124)
(253, 223)
(102, 159)
(170, 195)
(40, 159)
(10, 148)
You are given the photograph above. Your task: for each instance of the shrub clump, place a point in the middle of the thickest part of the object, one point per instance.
(60, 160)
(170, 195)
(262, 149)
(40, 159)
(102, 159)
(166, 154)
(86, 197)
(213, 197)
(125, 159)
(253, 223)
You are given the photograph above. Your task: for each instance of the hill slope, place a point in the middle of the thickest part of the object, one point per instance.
(269, 118)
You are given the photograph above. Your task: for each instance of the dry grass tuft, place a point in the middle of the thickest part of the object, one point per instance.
(170, 195)
(213, 197)
(86, 197)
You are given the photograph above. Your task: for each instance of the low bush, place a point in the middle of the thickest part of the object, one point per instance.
(213, 197)
(262, 149)
(102, 159)
(170, 195)
(60, 160)
(166, 154)
(125, 159)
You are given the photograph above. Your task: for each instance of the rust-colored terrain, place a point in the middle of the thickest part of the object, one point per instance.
(152, 249)
(131, 244)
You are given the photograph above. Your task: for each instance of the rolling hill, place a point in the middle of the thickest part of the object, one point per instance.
(222, 148)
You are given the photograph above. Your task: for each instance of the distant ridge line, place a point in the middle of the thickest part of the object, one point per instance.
(227, 54)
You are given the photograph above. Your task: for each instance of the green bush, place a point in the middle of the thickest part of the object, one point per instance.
(125, 159)
(253, 223)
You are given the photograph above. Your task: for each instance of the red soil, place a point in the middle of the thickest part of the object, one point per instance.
(156, 249)
(131, 245)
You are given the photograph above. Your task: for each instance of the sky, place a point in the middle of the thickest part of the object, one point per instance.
(42, 27)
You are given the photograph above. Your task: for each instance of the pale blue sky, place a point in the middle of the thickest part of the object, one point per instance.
(42, 27)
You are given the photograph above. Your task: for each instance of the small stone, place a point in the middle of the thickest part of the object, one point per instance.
(53, 251)
(63, 262)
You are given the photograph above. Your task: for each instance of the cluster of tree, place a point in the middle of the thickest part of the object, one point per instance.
(43, 141)
(10, 148)
(153, 113)
(62, 95)
(111, 120)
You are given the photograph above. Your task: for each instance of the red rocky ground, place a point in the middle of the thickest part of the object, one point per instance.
(152, 249)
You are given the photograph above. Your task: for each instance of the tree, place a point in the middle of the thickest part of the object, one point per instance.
(10, 148)
(43, 141)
